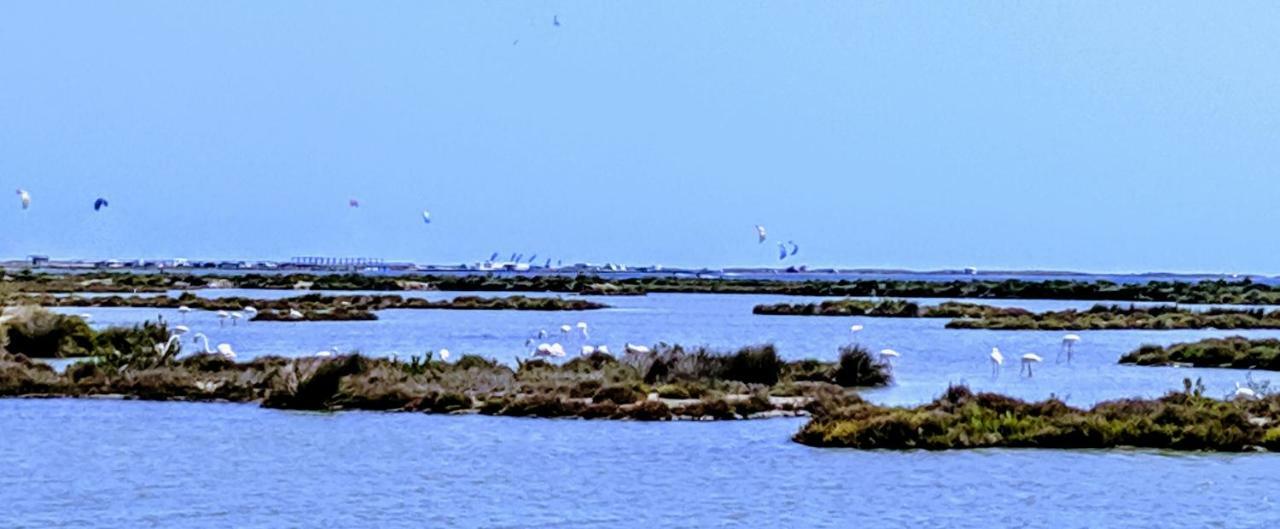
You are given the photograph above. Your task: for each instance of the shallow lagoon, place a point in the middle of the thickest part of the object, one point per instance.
(141, 464)
(95, 463)
(932, 356)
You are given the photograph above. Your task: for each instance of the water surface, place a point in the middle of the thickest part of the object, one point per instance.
(78, 463)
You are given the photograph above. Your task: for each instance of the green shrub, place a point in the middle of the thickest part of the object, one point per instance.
(857, 368)
(618, 394)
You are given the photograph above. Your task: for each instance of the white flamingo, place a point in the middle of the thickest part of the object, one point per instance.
(294, 314)
(226, 351)
(197, 337)
(86, 317)
(582, 327)
(183, 310)
(1027, 361)
(251, 312)
(855, 328)
(603, 349)
(222, 318)
(444, 355)
(997, 360)
(637, 349)
(163, 350)
(889, 354)
(235, 317)
(1246, 392)
(565, 330)
(549, 350)
(331, 351)
(587, 350)
(1068, 344)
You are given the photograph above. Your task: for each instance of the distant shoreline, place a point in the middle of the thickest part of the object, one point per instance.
(259, 266)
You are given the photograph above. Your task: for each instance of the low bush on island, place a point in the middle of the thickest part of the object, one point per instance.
(961, 419)
(1104, 317)
(664, 383)
(39, 333)
(1233, 352)
(311, 307)
(1098, 317)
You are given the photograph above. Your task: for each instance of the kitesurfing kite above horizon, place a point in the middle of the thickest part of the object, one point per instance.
(761, 233)
(426, 216)
(353, 203)
(783, 252)
(100, 203)
(25, 197)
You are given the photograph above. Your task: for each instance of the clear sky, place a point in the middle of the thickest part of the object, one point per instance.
(1088, 135)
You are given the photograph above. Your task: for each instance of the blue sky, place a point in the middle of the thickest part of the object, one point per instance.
(1103, 136)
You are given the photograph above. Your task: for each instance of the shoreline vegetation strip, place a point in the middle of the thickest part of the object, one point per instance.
(1099, 317)
(961, 419)
(1231, 352)
(308, 307)
(668, 382)
(1244, 292)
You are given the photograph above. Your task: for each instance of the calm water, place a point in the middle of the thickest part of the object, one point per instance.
(113, 464)
(72, 463)
(932, 356)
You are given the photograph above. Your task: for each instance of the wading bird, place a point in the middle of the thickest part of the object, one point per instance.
(163, 350)
(587, 350)
(603, 349)
(1027, 360)
(888, 355)
(1246, 392)
(183, 310)
(235, 317)
(222, 318)
(294, 314)
(997, 360)
(444, 355)
(637, 349)
(197, 337)
(549, 350)
(1068, 345)
(582, 328)
(855, 328)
